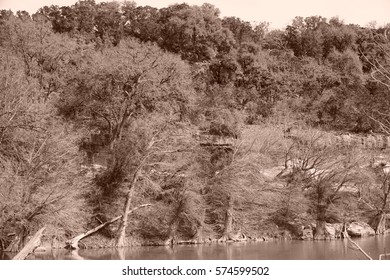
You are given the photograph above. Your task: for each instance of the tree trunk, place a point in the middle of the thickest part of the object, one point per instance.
(198, 238)
(380, 225)
(321, 232)
(121, 253)
(74, 242)
(172, 239)
(34, 242)
(122, 228)
(356, 245)
(120, 242)
(228, 220)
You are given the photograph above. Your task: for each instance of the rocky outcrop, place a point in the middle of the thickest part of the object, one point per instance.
(332, 231)
(40, 249)
(360, 229)
(362, 141)
(236, 236)
(307, 234)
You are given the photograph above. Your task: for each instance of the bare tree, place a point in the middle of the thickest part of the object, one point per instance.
(154, 147)
(375, 194)
(322, 173)
(39, 161)
(123, 83)
(238, 180)
(146, 154)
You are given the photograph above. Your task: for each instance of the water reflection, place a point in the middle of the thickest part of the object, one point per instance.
(273, 250)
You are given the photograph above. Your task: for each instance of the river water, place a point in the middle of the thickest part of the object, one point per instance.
(271, 250)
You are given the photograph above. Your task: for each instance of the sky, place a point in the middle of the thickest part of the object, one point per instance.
(278, 13)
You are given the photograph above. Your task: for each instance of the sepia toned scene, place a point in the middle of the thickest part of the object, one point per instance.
(150, 131)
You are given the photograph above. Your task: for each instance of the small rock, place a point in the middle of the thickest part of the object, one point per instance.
(40, 249)
(307, 234)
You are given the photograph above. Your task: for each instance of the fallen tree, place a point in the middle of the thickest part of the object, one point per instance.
(73, 243)
(34, 242)
(346, 236)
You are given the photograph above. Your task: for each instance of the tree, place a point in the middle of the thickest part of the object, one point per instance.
(152, 161)
(85, 11)
(123, 83)
(379, 66)
(223, 69)
(45, 55)
(315, 37)
(242, 30)
(256, 86)
(195, 32)
(337, 36)
(63, 19)
(231, 170)
(116, 91)
(140, 156)
(375, 193)
(342, 86)
(40, 181)
(275, 40)
(325, 173)
(236, 181)
(142, 22)
(5, 15)
(261, 29)
(108, 22)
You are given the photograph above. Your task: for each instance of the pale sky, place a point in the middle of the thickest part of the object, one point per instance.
(278, 12)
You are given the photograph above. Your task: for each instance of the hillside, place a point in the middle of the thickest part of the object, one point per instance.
(228, 130)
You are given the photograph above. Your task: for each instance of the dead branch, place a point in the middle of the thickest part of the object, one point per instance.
(357, 246)
(31, 245)
(73, 243)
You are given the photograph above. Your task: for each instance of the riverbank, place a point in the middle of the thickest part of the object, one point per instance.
(334, 232)
(272, 250)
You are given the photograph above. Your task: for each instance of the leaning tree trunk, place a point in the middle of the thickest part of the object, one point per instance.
(73, 243)
(346, 236)
(122, 227)
(34, 242)
(228, 220)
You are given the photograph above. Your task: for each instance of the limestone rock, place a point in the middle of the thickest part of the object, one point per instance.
(307, 234)
(40, 249)
(360, 229)
(334, 230)
(330, 230)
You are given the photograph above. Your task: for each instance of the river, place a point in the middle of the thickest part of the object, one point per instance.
(271, 250)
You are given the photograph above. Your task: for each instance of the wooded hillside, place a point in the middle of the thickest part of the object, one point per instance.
(227, 129)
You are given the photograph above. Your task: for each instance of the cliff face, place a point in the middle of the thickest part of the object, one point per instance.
(367, 142)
